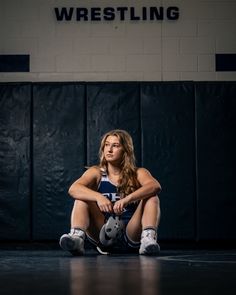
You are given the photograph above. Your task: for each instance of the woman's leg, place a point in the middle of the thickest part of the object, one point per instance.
(147, 215)
(88, 217)
(85, 218)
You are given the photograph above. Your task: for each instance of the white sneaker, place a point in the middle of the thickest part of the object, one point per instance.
(73, 242)
(149, 245)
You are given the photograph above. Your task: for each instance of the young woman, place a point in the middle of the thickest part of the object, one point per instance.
(116, 204)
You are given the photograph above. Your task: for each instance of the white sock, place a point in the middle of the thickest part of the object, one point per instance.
(149, 232)
(78, 232)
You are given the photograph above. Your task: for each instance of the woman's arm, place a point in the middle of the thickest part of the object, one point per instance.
(85, 189)
(149, 187)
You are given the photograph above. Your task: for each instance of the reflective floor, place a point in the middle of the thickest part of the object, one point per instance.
(52, 272)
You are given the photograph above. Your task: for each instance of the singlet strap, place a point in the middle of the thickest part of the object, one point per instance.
(104, 175)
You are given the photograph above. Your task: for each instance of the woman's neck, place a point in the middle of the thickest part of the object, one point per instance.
(113, 170)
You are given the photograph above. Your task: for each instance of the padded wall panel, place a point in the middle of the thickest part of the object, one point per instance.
(15, 161)
(112, 106)
(216, 155)
(59, 154)
(167, 115)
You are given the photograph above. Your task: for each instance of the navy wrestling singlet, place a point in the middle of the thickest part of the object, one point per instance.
(109, 190)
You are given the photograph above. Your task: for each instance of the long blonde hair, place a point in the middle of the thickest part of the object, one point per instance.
(128, 177)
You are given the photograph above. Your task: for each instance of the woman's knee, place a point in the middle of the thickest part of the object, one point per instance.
(88, 206)
(79, 203)
(152, 201)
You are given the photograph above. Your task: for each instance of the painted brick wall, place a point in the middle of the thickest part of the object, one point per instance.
(118, 51)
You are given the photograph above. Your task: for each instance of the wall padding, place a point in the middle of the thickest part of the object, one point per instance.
(111, 106)
(216, 160)
(183, 133)
(167, 119)
(15, 166)
(59, 154)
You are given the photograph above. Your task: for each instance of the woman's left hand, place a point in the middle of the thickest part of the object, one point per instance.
(119, 206)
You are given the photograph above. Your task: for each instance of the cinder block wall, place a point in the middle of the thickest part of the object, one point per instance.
(118, 50)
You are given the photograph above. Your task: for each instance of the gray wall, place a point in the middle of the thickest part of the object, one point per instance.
(166, 50)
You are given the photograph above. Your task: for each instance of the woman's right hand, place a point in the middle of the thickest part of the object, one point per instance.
(104, 204)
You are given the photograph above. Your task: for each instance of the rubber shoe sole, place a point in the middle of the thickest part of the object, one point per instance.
(70, 244)
(151, 249)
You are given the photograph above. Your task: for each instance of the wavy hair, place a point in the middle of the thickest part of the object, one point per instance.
(128, 181)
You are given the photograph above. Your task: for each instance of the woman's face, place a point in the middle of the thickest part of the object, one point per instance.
(113, 150)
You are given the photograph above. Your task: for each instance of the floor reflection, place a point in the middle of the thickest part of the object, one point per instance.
(178, 272)
(114, 275)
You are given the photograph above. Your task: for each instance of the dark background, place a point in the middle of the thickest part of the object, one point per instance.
(183, 133)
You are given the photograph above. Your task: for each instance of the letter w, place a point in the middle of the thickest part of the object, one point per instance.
(64, 14)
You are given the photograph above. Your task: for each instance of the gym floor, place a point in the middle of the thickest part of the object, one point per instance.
(52, 271)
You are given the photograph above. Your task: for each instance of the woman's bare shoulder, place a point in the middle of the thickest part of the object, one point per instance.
(93, 171)
(91, 177)
(142, 171)
(144, 175)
